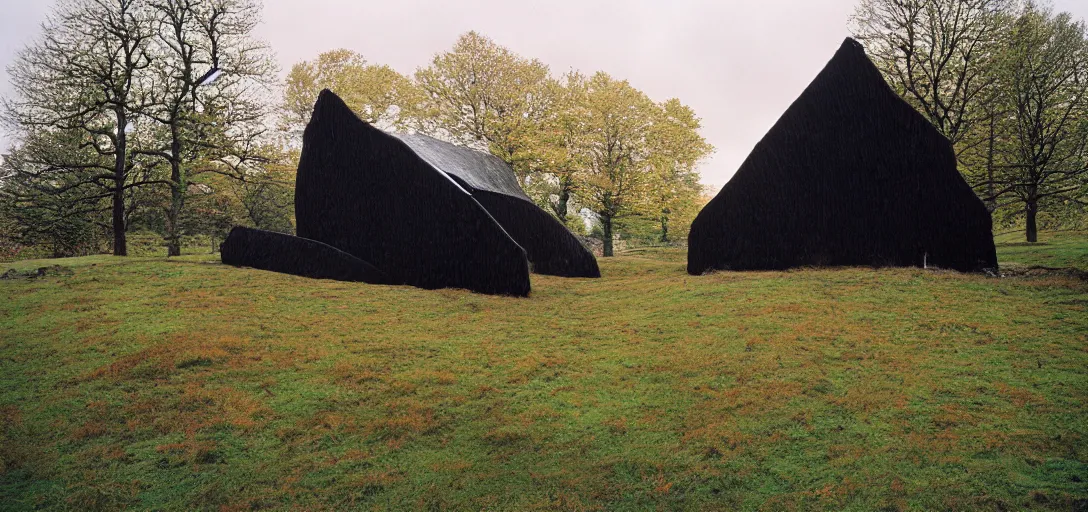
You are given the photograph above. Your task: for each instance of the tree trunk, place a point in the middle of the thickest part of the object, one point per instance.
(561, 206)
(606, 224)
(1032, 228)
(120, 243)
(173, 231)
(665, 225)
(991, 201)
(177, 198)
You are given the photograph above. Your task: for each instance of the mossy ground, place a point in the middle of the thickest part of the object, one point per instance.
(185, 384)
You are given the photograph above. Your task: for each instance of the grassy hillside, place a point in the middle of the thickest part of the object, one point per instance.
(185, 384)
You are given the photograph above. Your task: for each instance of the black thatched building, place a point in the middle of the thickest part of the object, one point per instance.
(277, 252)
(849, 175)
(551, 248)
(367, 193)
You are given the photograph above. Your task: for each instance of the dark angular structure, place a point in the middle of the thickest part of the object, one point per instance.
(849, 175)
(551, 248)
(367, 193)
(286, 254)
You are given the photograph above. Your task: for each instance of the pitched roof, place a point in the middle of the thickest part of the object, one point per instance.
(479, 170)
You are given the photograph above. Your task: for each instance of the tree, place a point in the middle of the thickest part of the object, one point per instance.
(482, 95)
(202, 120)
(1006, 86)
(564, 134)
(1044, 76)
(575, 143)
(616, 150)
(377, 93)
(80, 77)
(51, 207)
(676, 149)
(212, 210)
(936, 54)
(129, 81)
(267, 198)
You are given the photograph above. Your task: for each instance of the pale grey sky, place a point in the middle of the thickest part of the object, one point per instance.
(739, 64)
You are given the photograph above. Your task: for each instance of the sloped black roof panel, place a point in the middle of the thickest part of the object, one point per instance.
(550, 246)
(849, 175)
(286, 254)
(367, 193)
(482, 171)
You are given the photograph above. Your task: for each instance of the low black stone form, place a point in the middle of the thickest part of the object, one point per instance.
(552, 249)
(367, 193)
(277, 252)
(849, 175)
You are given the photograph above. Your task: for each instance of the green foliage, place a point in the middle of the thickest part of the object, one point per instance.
(267, 199)
(838, 389)
(483, 95)
(1005, 82)
(575, 143)
(111, 115)
(80, 80)
(377, 93)
(676, 149)
(45, 204)
(639, 157)
(1044, 91)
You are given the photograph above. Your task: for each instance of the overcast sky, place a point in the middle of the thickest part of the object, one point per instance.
(738, 63)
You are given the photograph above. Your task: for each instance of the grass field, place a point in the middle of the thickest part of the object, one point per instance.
(185, 384)
(1068, 249)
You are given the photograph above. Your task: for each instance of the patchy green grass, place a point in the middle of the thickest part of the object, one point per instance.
(186, 384)
(1056, 250)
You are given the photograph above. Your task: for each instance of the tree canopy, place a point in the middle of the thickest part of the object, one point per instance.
(128, 107)
(1006, 82)
(581, 146)
(128, 112)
